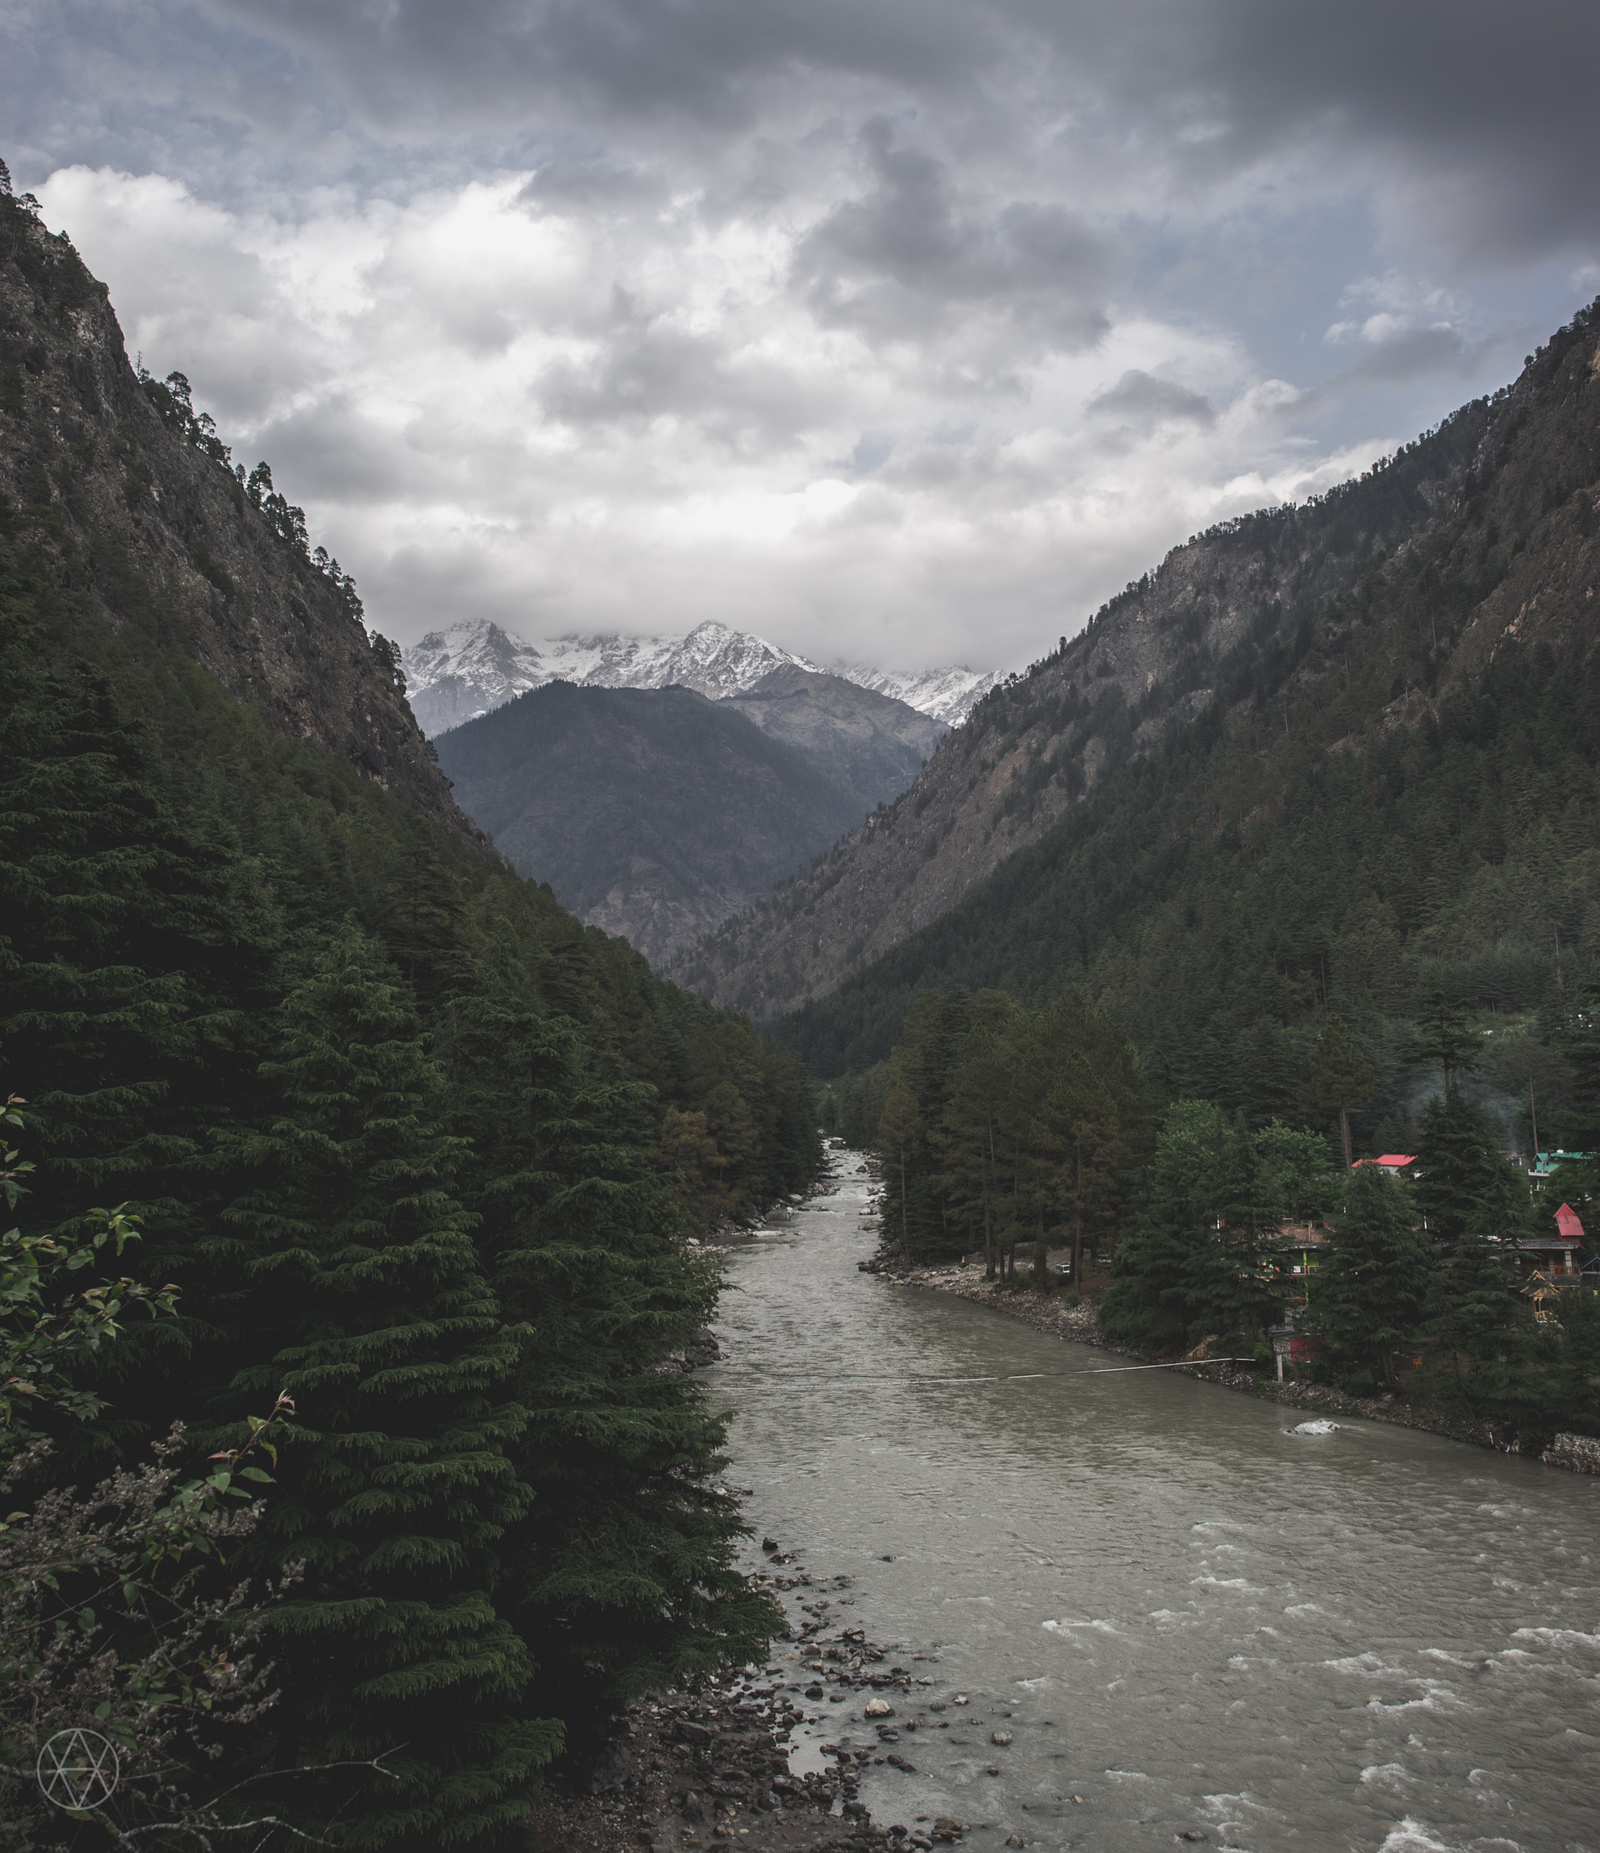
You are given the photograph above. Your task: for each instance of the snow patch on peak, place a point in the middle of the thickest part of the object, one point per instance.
(474, 666)
(949, 695)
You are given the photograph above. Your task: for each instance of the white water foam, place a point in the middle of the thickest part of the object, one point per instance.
(1386, 1772)
(1557, 1637)
(1409, 1836)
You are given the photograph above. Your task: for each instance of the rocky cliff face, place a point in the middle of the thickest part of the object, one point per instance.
(1494, 515)
(145, 524)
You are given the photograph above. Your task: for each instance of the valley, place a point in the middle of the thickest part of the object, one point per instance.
(477, 1115)
(657, 813)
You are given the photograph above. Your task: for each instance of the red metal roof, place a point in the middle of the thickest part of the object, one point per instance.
(1567, 1222)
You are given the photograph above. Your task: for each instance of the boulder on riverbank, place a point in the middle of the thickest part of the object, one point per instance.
(1577, 1453)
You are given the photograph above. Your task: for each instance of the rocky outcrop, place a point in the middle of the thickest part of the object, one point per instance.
(146, 528)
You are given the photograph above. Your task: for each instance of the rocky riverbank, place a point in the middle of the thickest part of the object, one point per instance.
(1078, 1324)
(768, 1759)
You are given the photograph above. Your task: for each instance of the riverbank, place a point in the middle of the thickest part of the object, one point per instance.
(757, 1760)
(1079, 1325)
(697, 1770)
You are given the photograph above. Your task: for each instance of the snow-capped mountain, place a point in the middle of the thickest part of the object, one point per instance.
(948, 695)
(473, 667)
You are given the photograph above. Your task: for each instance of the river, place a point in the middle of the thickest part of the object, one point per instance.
(1192, 1622)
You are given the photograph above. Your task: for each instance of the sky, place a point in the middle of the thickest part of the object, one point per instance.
(897, 331)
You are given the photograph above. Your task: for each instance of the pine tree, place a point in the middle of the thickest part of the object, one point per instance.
(1342, 1077)
(357, 1289)
(623, 1565)
(1372, 1286)
(1481, 1338)
(899, 1137)
(1166, 1265)
(1465, 1181)
(130, 952)
(1574, 1363)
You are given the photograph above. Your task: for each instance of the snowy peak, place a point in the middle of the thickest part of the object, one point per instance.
(718, 662)
(457, 674)
(948, 695)
(473, 667)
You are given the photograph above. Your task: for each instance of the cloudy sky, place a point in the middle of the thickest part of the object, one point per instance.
(897, 330)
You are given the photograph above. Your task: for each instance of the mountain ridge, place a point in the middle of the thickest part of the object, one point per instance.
(475, 665)
(656, 813)
(868, 744)
(153, 535)
(650, 812)
(1267, 602)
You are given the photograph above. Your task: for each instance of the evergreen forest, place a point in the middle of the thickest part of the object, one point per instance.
(1009, 1134)
(341, 1155)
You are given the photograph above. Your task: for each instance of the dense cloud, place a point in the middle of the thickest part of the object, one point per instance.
(914, 326)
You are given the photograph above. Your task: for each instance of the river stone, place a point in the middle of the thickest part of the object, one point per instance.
(879, 1708)
(999, 1737)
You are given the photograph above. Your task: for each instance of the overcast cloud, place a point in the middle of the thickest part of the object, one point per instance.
(895, 328)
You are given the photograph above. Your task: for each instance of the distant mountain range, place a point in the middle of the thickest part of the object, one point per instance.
(473, 667)
(657, 813)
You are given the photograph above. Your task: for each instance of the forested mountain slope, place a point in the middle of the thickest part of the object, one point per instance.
(871, 746)
(657, 813)
(1367, 609)
(409, 1143)
(147, 524)
(654, 813)
(1400, 798)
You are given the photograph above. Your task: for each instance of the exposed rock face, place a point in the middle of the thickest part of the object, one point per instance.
(145, 528)
(869, 745)
(651, 812)
(1502, 499)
